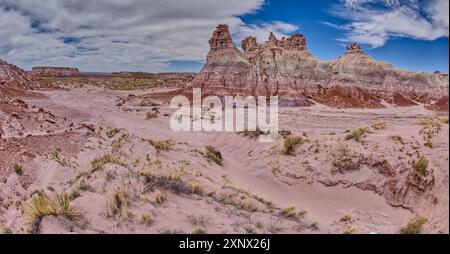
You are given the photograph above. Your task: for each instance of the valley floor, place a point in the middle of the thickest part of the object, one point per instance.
(121, 169)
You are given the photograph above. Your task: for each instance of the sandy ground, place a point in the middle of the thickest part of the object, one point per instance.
(250, 192)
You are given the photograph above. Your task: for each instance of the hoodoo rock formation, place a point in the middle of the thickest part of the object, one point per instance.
(286, 68)
(55, 72)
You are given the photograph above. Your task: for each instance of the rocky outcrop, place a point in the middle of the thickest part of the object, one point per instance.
(286, 68)
(13, 77)
(55, 72)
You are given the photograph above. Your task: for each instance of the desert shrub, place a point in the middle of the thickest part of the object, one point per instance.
(421, 166)
(290, 143)
(414, 226)
(289, 212)
(147, 219)
(213, 154)
(357, 134)
(18, 169)
(344, 160)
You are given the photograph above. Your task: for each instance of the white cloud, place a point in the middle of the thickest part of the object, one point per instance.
(373, 22)
(112, 35)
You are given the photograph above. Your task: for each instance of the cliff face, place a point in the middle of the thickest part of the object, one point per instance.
(286, 68)
(55, 72)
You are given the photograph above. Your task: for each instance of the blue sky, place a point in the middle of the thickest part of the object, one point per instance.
(323, 40)
(172, 35)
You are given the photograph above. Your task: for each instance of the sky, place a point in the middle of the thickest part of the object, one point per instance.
(172, 35)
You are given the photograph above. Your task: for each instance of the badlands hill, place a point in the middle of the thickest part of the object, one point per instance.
(286, 68)
(12, 76)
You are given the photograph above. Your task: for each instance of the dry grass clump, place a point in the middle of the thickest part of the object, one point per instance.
(118, 203)
(291, 142)
(289, 212)
(414, 226)
(345, 218)
(421, 166)
(147, 219)
(41, 205)
(379, 126)
(162, 145)
(357, 134)
(196, 188)
(350, 231)
(160, 197)
(344, 160)
(213, 154)
(151, 115)
(56, 156)
(421, 176)
(99, 162)
(111, 133)
(398, 139)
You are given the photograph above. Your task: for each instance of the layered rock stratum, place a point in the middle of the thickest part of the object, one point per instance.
(55, 72)
(287, 69)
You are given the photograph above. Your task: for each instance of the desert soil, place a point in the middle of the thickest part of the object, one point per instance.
(258, 189)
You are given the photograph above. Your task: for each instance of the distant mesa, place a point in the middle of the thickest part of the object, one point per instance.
(284, 67)
(55, 72)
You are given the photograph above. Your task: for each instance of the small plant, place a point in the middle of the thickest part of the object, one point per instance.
(84, 186)
(41, 205)
(213, 154)
(56, 156)
(147, 219)
(111, 133)
(414, 226)
(4, 230)
(345, 218)
(421, 166)
(379, 126)
(159, 196)
(151, 115)
(289, 212)
(398, 139)
(199, 231)
(163, 145)
(290, 143)
(98, 163)
(118, 204)
(357, 134)
(196, 188)
(345, 161)
(16, 168)
(350, 231)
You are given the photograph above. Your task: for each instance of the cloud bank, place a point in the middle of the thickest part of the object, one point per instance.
(113, 35)
(374, 22)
